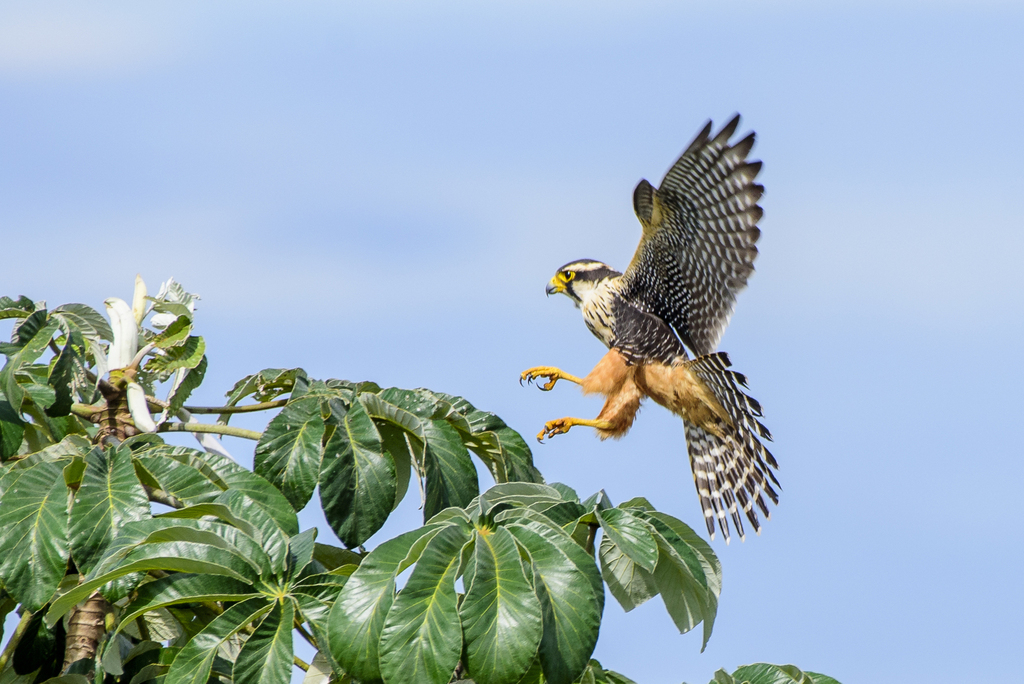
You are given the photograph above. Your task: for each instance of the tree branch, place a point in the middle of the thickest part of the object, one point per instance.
(302, 664)
(212, 429)
(306, 635)
(161, 497)
(15, 639)
(248, 408)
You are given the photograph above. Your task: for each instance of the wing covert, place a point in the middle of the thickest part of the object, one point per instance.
(699, 238)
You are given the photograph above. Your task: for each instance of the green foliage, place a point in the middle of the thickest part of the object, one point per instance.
(763, 673)
(498, 587)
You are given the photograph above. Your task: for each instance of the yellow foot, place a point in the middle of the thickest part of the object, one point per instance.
(553, 374)
(562, 425)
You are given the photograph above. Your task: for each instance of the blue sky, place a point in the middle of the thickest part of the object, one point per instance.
(380, 191)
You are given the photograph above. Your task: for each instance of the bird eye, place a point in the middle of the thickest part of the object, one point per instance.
(569, 275)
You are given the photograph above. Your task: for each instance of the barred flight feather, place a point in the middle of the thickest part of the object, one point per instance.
(699, 253)
(732, 471)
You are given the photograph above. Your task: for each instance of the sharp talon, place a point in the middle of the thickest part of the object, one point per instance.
(520, 381)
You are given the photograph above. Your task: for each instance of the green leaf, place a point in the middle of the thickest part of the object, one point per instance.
(266, 385)
(222, 472)
(300, 552)
(193, 663)
(501, 615)
(684, 597)
(631, 535)
(34, 533)
(400, 446)
(332, 557)
(269, 534)
(19, 308)
(216, 510)
(450, 473)
(817, 678)
(182, 475)
(40, 650)
(176, 556)
(186, 380)
(289, 452)
(90, 322)
(174, 334)
(499, 446)
(378, 408)
(565, 577)
(183, 588)
(32, 338)
(357, 480)
(709, 561)
(266, 657)
(703, 576)
(630, 584)
(518, 494)
(357, 619)
(108, 497)
(12, 429)
(765, 673)
(422, 637)
(68, 375)
(315, 595)
(185, 355)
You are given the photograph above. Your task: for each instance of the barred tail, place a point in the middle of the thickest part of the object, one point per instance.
(733, 470)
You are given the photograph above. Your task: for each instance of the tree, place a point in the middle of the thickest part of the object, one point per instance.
(131, 560)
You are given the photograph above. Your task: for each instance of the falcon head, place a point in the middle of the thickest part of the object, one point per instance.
(578, 279)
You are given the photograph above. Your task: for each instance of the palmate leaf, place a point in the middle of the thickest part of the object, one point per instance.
(565, 578)
(451, 478)
(630, 584)
(164, 463)
(630, 534)
(16, 308)
(682, 583)
(502, 448)
(315, 595)
(266, 656)
(40, 650)
(183, 588)
(68, 374)
(86, 319)
(501, 615)
(34, 532)
(12, 429)
(194, 662)
(266, 385)
(357, 480)
(177, 556)
(269, 535)
(357, 618)
(289, 452)
(108, 497)
(765, 673)
(30, 340)
(186, 380)
(186, 355)
(422, 637)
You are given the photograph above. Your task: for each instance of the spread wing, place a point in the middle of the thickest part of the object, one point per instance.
(698, 246)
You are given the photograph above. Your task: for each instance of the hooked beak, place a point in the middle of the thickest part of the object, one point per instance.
(554, 287)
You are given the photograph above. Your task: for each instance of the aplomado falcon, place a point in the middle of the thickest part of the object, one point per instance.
(695, 255)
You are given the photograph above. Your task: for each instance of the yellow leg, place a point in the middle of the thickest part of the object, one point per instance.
(562, 425)
(554, 375)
